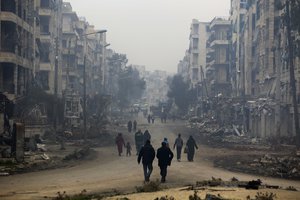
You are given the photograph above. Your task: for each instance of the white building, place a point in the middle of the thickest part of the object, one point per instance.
(197, 51)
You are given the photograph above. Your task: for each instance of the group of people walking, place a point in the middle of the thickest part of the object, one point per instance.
(164, 155)
(146, 152)
(147, 155)
(131, 126)
(120, 142)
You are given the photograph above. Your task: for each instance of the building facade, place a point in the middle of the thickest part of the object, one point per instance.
(50, 26)
(17, 46)
(218, 68)
(197, 51)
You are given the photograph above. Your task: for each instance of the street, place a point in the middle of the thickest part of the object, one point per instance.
(109, 171)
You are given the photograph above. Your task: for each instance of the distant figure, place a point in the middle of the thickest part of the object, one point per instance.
(164, 156)
(128, 149)
(129, 126)
(120, 143)
(178, 144)
(147, 136)
(134, 125)
(139, 141)
(147, 154)
(191, 145)
(152, 118)
(149, 119)
(165, 117)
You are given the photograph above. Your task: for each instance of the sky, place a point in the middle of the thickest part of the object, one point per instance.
(154, 33)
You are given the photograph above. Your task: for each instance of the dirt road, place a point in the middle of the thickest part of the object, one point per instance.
(109, 171)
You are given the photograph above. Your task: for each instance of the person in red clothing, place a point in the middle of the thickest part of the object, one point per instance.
(120, 143)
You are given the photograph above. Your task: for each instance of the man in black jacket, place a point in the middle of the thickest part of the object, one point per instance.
(147, 152)
(164, 156)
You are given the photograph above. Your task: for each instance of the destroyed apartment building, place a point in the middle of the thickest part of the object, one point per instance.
(46, 49)
(247, 68)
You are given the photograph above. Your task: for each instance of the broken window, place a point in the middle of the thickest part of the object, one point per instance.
(44, 25)
(8, 36)
(8, 77)
(45, 52)
(195, 74)
(8, 6)
(45, 3)
(195, 43)
(44, 79)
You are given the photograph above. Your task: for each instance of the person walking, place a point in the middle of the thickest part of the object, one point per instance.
(128, 149)
(147, 154)
(120, 143)
(134, 125)
(149, 119)
(164, 156)
(129, 126)
(178, 144)
(152, 118)
(139, 140)
(147, 136)
(191, 145)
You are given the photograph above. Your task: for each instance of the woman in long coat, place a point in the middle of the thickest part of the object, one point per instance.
(191, 145)
(120, 143)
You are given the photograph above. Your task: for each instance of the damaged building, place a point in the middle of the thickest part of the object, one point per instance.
(49, 22)
(217, 68)
(17, 46)
(247, 63)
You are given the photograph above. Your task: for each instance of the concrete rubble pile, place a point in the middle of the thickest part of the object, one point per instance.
(279, 166)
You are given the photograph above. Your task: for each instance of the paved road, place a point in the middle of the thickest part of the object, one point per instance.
(109, 171)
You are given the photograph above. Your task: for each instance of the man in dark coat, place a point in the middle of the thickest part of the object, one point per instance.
(178, 144)
(134, 125)
(139, 140)
(147, 136)
(164, 156)
(149, 119)
(129, 126)
(147, 154)
(191, 145)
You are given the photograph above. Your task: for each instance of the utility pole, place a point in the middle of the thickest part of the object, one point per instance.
(55, 85)
(84, 99)
(292, 72)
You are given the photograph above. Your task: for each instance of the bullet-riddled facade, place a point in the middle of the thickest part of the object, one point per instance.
(17, 46)
(50, 25)
(217, 68)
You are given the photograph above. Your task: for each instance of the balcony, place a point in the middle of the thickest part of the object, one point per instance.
(219, 43)
(13, 58)
(46, 67)
(11, 17)
(195, 51)
(217, 21)
(194, 35)
(45, 11)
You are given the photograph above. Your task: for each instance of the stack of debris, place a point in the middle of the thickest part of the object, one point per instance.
(285, 167)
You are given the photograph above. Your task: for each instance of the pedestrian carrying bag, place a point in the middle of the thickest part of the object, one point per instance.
(185, 150)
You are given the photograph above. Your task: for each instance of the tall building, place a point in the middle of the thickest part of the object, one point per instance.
(197, 51)
(69, 48)
(217, 68)
(50, 24)
(238, 11)
(17, 46)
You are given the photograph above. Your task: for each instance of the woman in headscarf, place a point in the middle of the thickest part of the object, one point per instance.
(120, 143)
(191, 145)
